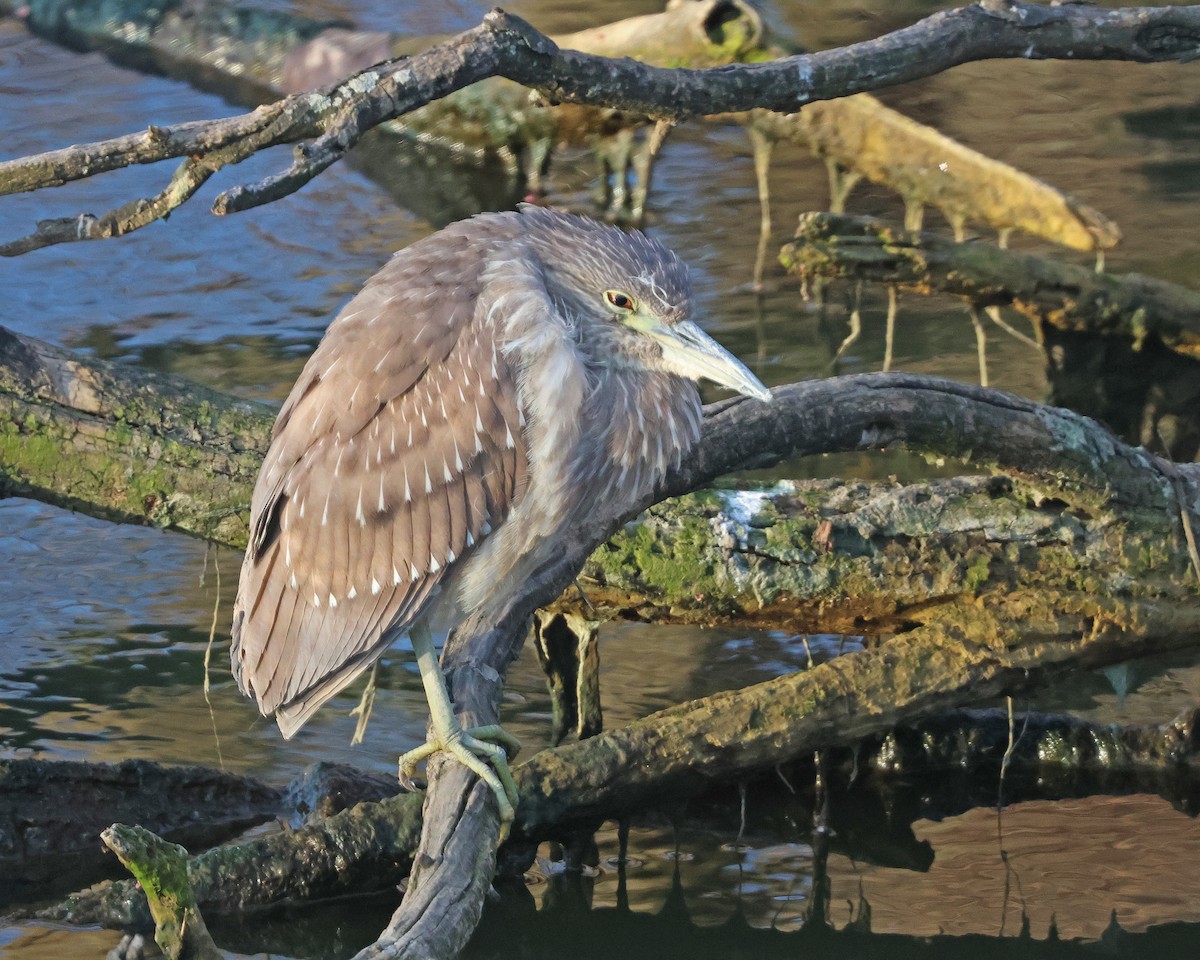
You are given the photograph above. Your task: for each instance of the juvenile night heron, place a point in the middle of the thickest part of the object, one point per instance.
(481, 393)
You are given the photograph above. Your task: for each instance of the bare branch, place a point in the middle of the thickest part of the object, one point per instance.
(189, 178)
(506, 46)
(151, 145)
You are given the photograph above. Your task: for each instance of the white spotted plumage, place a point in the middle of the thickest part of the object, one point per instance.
(506, 410)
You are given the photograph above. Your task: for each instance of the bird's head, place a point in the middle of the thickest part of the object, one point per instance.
(630, 300)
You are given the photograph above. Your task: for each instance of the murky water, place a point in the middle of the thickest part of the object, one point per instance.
(103, 629)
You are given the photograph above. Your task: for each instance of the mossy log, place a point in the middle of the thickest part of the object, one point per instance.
(370, 847)
(52, 812)
(161, 870)
(986, 637)
(973, 647)
(954, 653)
(126, 444)
(1064, 295)
(140, 447)
(849, 556)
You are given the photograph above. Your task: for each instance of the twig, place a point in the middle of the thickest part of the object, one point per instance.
(993, 314)
(212, 636)
(980, 342)
(1189, 533)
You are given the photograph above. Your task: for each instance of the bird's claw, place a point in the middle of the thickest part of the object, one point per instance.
(485, 751)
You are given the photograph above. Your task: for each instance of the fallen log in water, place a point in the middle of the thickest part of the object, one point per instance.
(51, 815)
(369, 847)
(859, 137)
(1047, 291)
(1079, 512)
(1051, 454)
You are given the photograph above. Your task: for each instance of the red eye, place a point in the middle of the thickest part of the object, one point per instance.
(622, 301)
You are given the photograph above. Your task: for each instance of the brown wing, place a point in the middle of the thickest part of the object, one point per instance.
(397, 451)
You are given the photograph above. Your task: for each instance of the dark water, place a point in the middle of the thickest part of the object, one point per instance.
(103, 629)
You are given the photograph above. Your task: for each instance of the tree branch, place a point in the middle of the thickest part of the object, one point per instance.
(140, 447)
(1066, 295)
(506, 46)
(126, 444)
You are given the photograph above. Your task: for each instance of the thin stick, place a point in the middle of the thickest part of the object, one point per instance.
(889, 337)
(762, 146)
(993, 313)
(212, 635)
(980, 343)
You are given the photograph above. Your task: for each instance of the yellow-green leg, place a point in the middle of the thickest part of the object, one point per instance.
(482, 750)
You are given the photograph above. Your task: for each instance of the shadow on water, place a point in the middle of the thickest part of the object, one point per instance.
(609, 932)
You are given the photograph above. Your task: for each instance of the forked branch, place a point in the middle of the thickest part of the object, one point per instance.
(503, 45)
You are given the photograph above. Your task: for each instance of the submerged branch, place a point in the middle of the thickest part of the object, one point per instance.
(1054, 292)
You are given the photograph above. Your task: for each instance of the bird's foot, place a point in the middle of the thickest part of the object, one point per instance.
(485, 751)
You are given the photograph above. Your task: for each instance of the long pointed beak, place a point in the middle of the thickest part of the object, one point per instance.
(690, 352)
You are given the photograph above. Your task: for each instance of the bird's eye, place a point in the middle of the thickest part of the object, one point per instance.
(619, 300)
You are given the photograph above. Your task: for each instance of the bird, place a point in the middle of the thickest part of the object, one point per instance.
(479, 395)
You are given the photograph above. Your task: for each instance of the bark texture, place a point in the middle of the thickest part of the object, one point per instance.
(125, 444)
(1064, 295)
(161, 870)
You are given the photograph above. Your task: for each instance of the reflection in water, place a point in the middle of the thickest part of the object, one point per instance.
(1136, 857)
(985, 876)
(103, 629)
(1148, 395)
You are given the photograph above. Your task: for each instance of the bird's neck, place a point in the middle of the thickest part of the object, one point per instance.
(641, 423)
